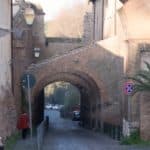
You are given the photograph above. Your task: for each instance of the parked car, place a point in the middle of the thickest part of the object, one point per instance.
(76, 116)
(55, 107)
(48, 106)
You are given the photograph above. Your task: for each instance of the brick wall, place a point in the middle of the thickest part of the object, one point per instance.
(88, 60)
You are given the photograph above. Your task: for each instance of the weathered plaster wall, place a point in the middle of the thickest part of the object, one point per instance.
(58, 48)
(145, 116)
(137, 19)
(7, 107)
(25, 39)
(125, 27)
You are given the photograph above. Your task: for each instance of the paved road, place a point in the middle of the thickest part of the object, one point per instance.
(66, 135)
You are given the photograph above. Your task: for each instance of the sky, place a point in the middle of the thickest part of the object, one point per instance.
(53, 7)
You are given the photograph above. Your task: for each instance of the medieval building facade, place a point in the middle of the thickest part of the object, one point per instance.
(114, 44)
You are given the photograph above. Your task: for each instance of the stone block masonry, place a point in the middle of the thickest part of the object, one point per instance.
(8, 116)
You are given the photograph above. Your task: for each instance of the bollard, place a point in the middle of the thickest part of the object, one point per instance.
(1, 144)
(113, 131)
(119, 133)
(47, 123)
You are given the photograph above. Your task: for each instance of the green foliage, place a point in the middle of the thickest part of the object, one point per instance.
(11, 141)
(133, 139)
(142, 80)
(72, 98)
(62, 93)
(59, 95)
(54, 93)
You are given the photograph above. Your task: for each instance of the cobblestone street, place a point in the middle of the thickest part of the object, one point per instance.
(65, 134)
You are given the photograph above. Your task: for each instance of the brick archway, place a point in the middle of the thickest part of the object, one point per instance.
(94, 69)
(89, 91)
(76, 78)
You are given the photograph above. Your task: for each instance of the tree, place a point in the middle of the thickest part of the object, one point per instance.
(142, 80)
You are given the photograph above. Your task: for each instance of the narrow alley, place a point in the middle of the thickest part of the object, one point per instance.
(65, 134)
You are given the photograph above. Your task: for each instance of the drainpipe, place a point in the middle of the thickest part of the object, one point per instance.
(97, 114)
(94, 17)
(102, 23)
(102, 37)
(12, 64)
(115, 18)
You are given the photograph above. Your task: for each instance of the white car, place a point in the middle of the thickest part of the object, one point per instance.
(56, 107)
(49, 106)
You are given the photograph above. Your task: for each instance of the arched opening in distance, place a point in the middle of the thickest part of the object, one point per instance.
(64, 98)
(86, 90)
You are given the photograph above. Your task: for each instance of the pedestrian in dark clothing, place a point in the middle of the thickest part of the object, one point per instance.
(23, 124)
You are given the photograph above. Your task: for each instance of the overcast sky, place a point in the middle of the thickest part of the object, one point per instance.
(53, 7)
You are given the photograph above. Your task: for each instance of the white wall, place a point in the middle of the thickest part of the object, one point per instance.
(7, 106)
(5, 45)
(5, 56)
(137, 19)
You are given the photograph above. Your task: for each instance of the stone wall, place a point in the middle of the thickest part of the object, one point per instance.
(145, 116)
(8, 115)
(59, 46)
(25, 39)
(88, 60)
(144, 97)
(88, 25)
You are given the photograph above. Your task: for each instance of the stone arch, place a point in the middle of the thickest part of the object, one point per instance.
(74, 78)
(89, 90)
(85, 70)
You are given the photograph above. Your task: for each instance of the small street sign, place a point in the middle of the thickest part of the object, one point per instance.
(28, 80)
(128, 88)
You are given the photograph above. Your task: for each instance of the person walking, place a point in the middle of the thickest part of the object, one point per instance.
(23, 124)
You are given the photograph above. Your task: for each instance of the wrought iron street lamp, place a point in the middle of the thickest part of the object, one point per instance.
(29, 16)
